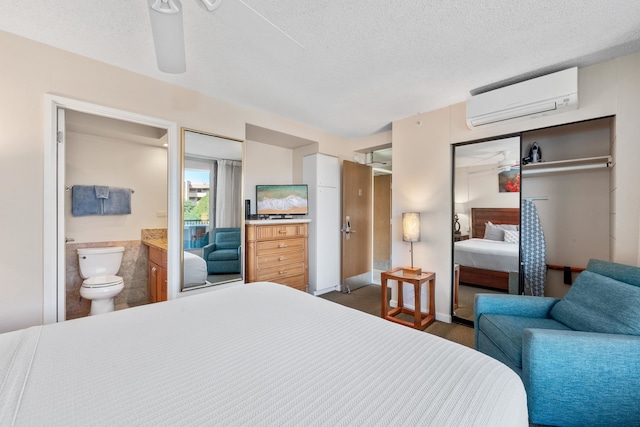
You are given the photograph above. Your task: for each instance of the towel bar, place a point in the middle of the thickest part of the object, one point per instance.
(67, 188)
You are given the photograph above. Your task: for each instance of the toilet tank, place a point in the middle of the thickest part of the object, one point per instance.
(100, 261)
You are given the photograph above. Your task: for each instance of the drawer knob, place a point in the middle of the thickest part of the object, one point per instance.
(282, 245)
(282, 258)
(282, 231)
(282, 272)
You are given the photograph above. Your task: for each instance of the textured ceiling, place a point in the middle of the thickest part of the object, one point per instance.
(362, 64)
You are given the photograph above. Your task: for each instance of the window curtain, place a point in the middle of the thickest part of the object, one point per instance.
(229, 193)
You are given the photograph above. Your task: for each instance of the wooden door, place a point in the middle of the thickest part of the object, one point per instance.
(357, 224)
(382, 222)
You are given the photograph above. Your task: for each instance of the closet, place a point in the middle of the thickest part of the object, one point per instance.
(570, 189)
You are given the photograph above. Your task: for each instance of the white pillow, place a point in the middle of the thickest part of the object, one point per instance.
(511, 236)
(493, 232)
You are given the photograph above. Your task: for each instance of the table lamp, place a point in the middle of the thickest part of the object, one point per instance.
(411, 233)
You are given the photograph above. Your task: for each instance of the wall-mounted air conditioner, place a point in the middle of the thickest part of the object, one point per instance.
(544, 95)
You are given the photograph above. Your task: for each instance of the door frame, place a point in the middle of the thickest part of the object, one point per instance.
(54, 288)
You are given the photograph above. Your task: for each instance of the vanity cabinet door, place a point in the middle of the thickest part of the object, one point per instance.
(154, 274)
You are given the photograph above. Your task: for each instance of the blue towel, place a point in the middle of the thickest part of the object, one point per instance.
(102, 191)
(118, 203)
(84, 201)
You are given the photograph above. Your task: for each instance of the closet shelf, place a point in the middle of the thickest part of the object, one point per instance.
(567, 165)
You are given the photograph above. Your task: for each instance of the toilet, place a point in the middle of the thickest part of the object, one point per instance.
(98, 267)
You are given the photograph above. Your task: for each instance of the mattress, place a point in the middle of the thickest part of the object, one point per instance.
(255, 354)
(195, 270)
(487, 254)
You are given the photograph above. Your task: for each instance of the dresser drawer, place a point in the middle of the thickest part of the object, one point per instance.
(281, 257)
(296, 282)
(280, 273)
(268, 232)
(277, 246)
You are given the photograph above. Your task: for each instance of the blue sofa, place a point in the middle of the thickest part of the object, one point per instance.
(579, 356)
(223, 255)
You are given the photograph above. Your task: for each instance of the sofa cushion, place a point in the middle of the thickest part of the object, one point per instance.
(223, 255)
(597, 303)
(227, 239)
(506, 332)
(624, 273)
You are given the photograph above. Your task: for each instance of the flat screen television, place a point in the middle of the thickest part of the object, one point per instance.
(282, 200)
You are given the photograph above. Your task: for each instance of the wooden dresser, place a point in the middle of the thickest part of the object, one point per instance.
(277, 251)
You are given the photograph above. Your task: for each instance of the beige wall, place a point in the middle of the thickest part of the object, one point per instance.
(422, 167)
(31, 70)
(95, 160)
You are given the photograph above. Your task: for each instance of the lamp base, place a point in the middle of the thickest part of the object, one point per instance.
(411, 271)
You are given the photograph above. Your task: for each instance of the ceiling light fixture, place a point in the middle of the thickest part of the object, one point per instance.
(211, 5)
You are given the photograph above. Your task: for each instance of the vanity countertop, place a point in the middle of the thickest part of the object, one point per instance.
(160, 243)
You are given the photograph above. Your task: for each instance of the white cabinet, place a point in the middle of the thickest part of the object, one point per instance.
(322, 174)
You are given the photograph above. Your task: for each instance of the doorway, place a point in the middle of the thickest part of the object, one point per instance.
(56, 204)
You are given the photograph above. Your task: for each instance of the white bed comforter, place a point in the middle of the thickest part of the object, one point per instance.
(257, 354)
(195, 270)
(487, 254)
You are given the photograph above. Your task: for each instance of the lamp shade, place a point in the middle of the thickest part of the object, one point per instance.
(460, 208)
(411, 226)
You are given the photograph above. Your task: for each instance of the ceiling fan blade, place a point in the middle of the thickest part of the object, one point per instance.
(168, 35)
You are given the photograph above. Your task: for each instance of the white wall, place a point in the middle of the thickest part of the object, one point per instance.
(265, 164)
(422, 167)
(94, 160)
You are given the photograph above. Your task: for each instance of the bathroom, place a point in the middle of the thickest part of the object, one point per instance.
(107, 152)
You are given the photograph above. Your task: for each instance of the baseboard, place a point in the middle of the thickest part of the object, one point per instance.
(326, 290)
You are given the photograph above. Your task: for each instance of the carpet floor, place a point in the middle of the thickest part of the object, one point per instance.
(368, 300)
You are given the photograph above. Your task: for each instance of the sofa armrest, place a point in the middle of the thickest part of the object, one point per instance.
(206, 250)
(581, 378)
(513, 305)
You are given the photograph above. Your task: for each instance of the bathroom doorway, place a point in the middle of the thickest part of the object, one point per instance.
(57, 198)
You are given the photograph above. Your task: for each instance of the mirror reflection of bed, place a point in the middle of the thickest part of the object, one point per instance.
(212, 210)
(483, 261)
(487, 262)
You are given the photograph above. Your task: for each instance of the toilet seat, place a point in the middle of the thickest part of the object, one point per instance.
(102, 281)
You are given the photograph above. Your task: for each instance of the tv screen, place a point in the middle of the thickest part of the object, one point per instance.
(282, 199)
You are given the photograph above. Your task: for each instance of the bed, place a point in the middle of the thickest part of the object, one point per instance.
(488, 263)
(254, 354)
(195, 270)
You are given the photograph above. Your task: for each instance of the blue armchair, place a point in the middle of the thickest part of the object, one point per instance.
(223, 255)
(579, 356)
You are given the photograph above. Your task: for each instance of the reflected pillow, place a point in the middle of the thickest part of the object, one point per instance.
(511, 236)
(493, 232)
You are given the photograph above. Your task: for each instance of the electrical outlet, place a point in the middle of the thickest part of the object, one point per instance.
(161, 214)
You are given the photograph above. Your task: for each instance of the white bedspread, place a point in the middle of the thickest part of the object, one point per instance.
(487, 254)
(256, 354)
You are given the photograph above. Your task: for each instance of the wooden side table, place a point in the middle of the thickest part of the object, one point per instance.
(420, 320)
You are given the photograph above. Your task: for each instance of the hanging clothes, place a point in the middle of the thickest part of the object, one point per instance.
(534, 249)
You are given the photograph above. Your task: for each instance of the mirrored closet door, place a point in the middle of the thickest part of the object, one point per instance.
(212, 212)
(486, 249)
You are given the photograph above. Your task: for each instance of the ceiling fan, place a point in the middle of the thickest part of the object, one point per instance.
(168, 31)
(503, 165)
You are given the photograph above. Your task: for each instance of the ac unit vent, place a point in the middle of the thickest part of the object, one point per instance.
(544, 95)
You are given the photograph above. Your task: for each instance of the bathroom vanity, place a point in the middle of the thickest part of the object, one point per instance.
(156, 241)
(157, 268)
